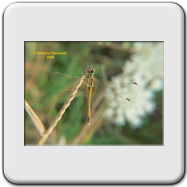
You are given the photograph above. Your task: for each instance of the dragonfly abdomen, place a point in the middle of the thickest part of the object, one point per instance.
(90, 86)
(88, 105)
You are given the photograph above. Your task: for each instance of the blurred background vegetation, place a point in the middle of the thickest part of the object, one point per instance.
(108, 59)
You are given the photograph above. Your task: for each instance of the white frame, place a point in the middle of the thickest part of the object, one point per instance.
(86, 22)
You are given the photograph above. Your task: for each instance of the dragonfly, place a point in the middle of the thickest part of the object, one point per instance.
(92, 85)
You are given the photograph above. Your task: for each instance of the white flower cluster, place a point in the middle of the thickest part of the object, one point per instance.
(146, 69)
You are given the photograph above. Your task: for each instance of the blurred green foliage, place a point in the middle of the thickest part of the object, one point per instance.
(107, 58)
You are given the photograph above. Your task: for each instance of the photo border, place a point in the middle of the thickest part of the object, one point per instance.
(127, 164)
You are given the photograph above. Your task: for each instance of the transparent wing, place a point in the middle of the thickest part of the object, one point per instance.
(65, 81)
(64, 85)
(121, 87)
(116, 93)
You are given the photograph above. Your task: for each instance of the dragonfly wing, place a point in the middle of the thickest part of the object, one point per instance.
(66, 81)
(65, 84)
(120, 88)
(117, 93)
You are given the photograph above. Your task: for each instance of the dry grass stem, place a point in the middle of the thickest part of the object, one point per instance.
(85, 129)
(94, 128)
(61, 112)
(36, 120)
(98, 122)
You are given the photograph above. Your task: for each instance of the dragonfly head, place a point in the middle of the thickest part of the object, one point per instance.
(89, 71)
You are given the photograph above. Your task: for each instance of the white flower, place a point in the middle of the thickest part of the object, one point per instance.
(145, 68)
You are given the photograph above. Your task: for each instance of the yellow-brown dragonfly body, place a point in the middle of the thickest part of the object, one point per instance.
(90, 85)
(89, 72)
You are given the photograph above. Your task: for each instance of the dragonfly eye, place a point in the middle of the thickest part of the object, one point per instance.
(85, 71)
(89, 70)
(92, 71)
